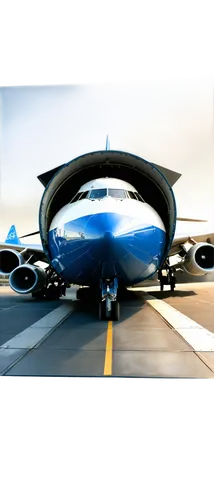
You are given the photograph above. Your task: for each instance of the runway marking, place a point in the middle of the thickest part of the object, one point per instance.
(32, 336)
(108, 356)
(6, 308)
(199, 338)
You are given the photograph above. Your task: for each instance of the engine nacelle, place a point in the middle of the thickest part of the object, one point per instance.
(27, 279)
(10, 260)
(199, 260)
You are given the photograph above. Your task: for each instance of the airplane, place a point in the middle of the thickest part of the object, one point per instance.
(107, 221)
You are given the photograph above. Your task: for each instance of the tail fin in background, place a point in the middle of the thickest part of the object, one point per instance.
(12, 236)
(107, 143)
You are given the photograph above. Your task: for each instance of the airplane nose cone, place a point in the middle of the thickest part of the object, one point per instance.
(108, 236)
(101, 245)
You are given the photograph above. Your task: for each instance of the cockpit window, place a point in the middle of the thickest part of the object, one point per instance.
(84, 194)
(75, 198)
(117, 193)
(135, 196)
(79, 196)
(97, 193)
(139, 197)
(132, 195)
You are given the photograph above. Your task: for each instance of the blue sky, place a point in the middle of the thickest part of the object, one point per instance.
(167, 122)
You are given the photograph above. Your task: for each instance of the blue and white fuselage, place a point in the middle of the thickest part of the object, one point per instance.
(106, 231)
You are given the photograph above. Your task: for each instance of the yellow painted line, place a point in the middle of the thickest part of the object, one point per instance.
(108, 356)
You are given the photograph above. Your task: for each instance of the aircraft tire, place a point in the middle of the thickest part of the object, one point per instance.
(101, 312)
(38, 295)
(172, 283)
(116, 310)
(52, 293)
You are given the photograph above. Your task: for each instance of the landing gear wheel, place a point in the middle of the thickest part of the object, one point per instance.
(115, 310)
(172, 282)
(102, 310)
(108, 295)
(161, 279)
(53, 292)
(38, 295)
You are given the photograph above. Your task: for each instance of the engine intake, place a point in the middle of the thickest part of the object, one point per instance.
(27, 279)
(199, 259)
(9, 260)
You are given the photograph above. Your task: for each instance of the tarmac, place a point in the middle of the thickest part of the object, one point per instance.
(159, 334)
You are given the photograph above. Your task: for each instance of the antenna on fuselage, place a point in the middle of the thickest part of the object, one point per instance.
(107, 143)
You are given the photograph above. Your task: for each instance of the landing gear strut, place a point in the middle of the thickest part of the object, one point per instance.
(109, 307)
(54, 289)
(166, 277)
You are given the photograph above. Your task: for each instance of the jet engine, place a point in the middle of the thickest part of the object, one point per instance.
(27, 279)
(151, 181)
(199, 259)
(9, 260)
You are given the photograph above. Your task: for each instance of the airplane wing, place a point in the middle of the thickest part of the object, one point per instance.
(27, 248)
(190, 236)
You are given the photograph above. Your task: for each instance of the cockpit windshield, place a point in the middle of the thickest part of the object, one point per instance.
(117, 193)
(97, 193)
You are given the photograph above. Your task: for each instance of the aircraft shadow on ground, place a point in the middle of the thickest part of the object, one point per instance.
(83, 331)
(168, 293)
(130, 304)
(82, 335)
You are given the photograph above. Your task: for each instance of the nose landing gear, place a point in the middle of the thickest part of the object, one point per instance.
(109, 307)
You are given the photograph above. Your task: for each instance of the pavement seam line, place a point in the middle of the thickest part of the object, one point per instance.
(37, 344)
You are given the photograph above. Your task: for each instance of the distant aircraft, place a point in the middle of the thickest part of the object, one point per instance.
(107, 220)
